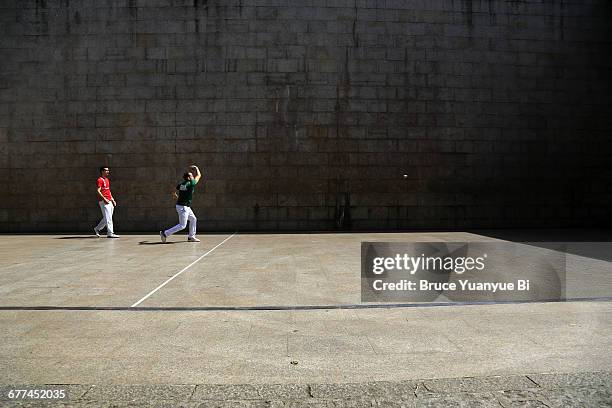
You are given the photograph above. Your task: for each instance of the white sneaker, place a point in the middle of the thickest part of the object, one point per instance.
(96, 232)
(112, 236)
(162, 236)
(193, 239)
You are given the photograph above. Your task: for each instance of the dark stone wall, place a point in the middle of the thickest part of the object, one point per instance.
(498, 112)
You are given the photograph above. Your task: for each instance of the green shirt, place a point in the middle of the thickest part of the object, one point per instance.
(185, 192)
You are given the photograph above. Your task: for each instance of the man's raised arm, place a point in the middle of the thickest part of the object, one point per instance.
(198, 175)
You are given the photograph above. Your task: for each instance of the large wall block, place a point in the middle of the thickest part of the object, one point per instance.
(309, 114)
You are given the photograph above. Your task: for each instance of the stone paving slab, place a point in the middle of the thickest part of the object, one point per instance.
(250, 392)
(467, 400)
(520, 398)
(478, 384)
(144, 393)
(564, 380)
(371, 390)
(579, 397)
(330, 403)
(589, 389)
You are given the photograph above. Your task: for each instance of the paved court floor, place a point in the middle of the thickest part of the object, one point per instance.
(93, 335)
(226, 270)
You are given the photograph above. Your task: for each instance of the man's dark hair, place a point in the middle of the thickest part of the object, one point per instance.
(186, 176)
(102, 169)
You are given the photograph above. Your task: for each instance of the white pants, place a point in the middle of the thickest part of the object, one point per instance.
(107, 217)
(184, 214)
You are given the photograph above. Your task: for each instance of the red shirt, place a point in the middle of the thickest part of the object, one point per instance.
(104, 186)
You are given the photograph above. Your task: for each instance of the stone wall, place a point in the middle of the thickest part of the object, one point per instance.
(417, 113)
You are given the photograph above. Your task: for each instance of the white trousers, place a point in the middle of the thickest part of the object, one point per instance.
(185, 214)
(107, 217)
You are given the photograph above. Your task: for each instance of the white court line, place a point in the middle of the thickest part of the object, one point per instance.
(181, 271)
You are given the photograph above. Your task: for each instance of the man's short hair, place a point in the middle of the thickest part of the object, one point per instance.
(186, 176)
(102, 168)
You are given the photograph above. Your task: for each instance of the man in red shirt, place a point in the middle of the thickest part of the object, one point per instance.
(107, 204)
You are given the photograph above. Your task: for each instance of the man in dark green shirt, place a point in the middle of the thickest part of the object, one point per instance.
(183, 206)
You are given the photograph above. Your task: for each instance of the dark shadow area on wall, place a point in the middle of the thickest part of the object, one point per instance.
(358, 117)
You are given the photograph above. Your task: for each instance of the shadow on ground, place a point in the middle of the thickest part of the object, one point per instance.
(79, 237)
(160, 243)
(589, 244)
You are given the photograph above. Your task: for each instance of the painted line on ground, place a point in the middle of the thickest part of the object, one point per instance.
(302, 307)
(181, 271)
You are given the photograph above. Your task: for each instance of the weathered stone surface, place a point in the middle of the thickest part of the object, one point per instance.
(479, 384)
(486, 392)
(579, 397)
(250, 392)
(142, 393)
(578, 380)
(522, 398)
(481, 400)
(373, 390)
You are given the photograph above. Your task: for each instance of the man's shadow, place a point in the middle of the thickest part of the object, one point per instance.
(161, 243)
(79, 237)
